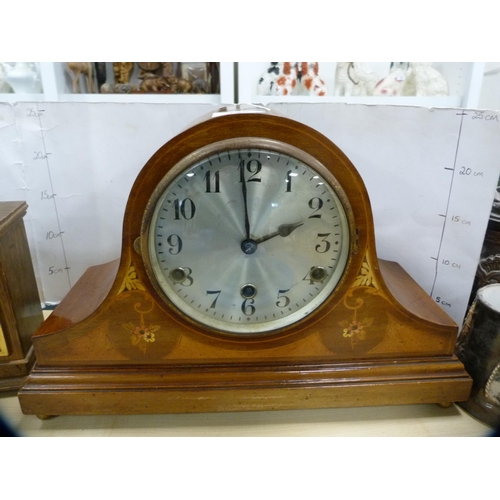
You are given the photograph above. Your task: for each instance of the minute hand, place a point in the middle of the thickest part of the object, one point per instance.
(283, 231)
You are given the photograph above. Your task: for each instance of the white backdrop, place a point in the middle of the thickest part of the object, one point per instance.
(431, 175)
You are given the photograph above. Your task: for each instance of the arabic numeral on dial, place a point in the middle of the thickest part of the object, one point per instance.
(188, 281)
(247, 307)
(253, 167)
(184, 208)
(283, 300)
(315, 204)
(325, 245)
(182, 276)
(216, 293)
(212, 184)
(308, 277)
(175, 242)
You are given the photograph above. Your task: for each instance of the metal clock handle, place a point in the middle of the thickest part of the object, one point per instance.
(241, 109)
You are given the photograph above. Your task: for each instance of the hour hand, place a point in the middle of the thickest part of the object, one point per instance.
(284, 230)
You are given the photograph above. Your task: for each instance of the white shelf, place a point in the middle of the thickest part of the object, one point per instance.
(56, 83)
(464, 82)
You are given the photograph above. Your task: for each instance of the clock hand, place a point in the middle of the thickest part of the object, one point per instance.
(244, 191)
(248, 246)
(284, 230)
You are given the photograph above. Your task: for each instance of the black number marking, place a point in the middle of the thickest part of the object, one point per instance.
(283, 300)
(247, 307)
(320, 248)
(185, 208)
(216, 293)
(315, 204)
(175, 242)
(253, 167)
(308, 278)
(212, 184)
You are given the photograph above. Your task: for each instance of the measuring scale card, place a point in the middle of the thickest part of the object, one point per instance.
(431, 175)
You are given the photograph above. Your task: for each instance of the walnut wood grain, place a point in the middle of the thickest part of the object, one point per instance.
(239, 388)
(411, 295)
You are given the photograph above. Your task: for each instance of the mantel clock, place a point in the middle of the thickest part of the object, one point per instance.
(248, 280)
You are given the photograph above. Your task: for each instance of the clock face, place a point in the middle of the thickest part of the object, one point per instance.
(246, 236)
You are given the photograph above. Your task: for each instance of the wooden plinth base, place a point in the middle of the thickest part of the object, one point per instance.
(146, 389)
(14, 373)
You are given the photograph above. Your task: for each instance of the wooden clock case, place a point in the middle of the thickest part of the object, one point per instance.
(20, 305)
(113, 346)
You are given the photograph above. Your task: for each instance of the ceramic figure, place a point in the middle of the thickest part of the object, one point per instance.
(391, 85)
(23, 77)
(85, 69)
(122, 71)
(354, 79)
(5, 88)
(423, 80)
(286, 80)
(310, 80)
(268, 80)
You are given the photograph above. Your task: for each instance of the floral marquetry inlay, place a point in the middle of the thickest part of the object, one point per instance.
(365, 277)
(358, 328)
(131, 281)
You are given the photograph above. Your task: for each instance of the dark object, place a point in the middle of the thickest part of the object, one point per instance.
(214, 72)
(100, 73)
(478, 347)
(20, 307)
(6, 429)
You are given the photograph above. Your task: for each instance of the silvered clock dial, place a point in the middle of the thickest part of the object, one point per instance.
(247, 236)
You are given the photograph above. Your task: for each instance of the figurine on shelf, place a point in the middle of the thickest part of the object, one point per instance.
(167, 69)
(200, 86)
(5, 88)
(423, 80)
(354, 79)
(153, 83)
(106, 88)
(122, 71)
(85, 69)
(124, 88)
(310, 80)
(392, 85)
(286, 80)
(148, 68)
(23, 77)
(179, 85)
(268, 80)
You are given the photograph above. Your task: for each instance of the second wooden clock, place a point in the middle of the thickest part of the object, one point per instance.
(248, 280)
